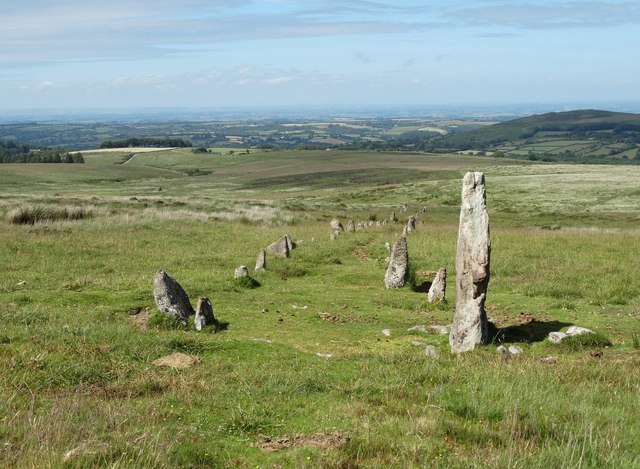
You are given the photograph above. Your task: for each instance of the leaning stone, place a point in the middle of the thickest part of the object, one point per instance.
(515, 350)
(336, 226)
(241, 271)
(470, 325)
(261, 261)
(431, 351)
(577, 330)
(438, 288)
(204, 313)
(279, 248)
(418, 328)
(170, 297)
(351, 226)
(397, 270)
(436, 329)
(556, 337)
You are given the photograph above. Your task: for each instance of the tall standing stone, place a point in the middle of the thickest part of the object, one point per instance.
(470, 326)
(261, 261)
(170, 297)
(438, 288)
(204, 313)
(397, 269)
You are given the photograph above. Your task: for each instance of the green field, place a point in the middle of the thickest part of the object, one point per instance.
(302, 360)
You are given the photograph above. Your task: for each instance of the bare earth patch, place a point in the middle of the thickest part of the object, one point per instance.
(331, 318)
(140, 317)
(322, 441)
(177, 360)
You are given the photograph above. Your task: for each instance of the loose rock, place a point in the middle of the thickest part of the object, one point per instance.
(386, 332)
(261, 261)
(436, 329)
(204, 313)
(170, 297)
(438, 288)
(515, 350)
(470, 325)
(431, 351)
(397, 270)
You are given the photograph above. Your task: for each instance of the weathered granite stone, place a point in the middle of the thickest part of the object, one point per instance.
(577, 330)
(261, 261)
(504, 353)
(556, 337)
(290, 245)
(280, 248)
(393, 217)
(386, 332)
(397, 270)
(336, 226)
(470, 326)
(351, 226)
(241, 271)
(387, 246)
(411, 223)
(438, 287)
(515, 350)
(405, 230)
(204, 313)
(418, 328)
(431, 351)
(170, 297)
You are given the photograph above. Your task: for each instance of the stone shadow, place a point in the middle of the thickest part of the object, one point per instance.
(421, 287)
(533, 331)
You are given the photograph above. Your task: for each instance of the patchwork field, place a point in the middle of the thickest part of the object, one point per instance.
(300, 374)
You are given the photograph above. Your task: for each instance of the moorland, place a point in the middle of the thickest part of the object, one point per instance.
(301, 375)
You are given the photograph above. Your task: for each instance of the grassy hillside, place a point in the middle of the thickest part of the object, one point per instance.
(301, 375)
(584, 135)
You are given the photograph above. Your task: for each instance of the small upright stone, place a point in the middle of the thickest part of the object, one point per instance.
(387, 246)
(438, 288)
(290, 244)
(411, 223)
(336, 226)
(170, 297)
(241, 271)
(261, 261)
(280, 248)
(397, 270)
(393, 218)
(351, 226)
(204, 313)
(470, 326)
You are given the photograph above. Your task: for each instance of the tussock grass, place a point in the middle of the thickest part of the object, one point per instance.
(32, 214)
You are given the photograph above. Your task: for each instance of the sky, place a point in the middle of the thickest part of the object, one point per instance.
(63, 54)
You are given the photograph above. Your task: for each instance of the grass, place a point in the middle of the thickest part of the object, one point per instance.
(73, 355)
(30, 215)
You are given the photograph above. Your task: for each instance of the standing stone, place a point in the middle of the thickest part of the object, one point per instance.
(405, 230)
(393, 217)
(241, 271)
(170, 297)
(290, 244)
(351, 226)
(470, 326)
(336, 226)
(397, 270)
(411, 223)
(438, 288)
(387, 247)
(204, 313)
(280, 248)
(261, 261)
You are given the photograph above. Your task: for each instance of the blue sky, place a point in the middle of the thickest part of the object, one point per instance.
(197, 53)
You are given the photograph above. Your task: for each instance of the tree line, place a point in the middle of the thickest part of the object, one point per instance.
(146, 142)
(14, 152)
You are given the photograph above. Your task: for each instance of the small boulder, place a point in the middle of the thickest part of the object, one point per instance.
(431, 351)
(556, 337)
(577, 330)
(204, 313)
(515, 350)
(261, 261)
(438, 288)
(170, 297)
(241, 271)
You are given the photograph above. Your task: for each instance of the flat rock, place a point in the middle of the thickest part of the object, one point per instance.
(170, 297)
(177, 360)
(577, 330)
(418, 328)
(431, 351)
(417, 343)
(556, 337)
